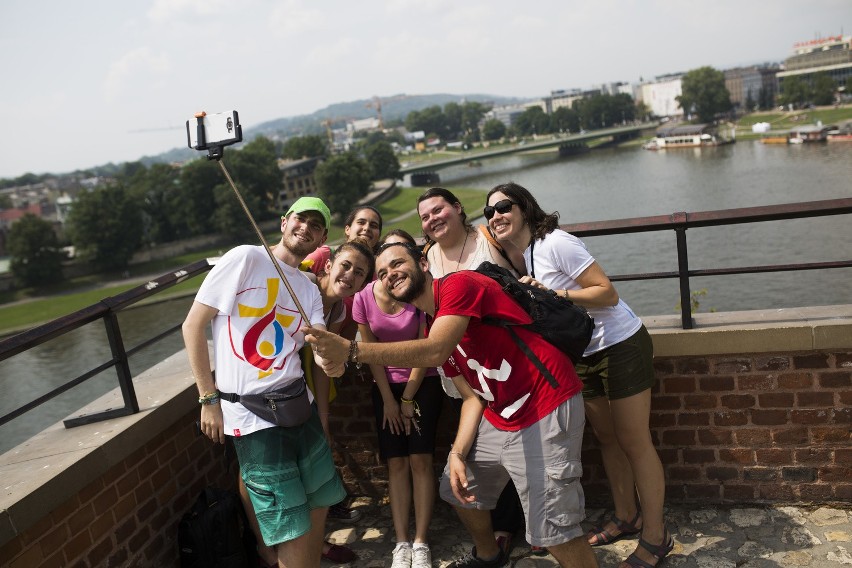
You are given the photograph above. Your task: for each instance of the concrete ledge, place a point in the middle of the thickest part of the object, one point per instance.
(758, 331)
(54, 465)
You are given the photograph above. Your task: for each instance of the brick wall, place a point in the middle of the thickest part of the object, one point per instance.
(730, 428)
(129, 516)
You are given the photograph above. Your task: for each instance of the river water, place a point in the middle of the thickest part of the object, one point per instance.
(613, 183)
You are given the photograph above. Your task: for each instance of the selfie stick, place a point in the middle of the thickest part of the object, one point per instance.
(215, 153)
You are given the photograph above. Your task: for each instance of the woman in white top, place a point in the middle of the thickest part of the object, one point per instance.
(616, 369)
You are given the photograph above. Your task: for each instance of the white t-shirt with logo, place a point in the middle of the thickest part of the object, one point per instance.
(256, 337)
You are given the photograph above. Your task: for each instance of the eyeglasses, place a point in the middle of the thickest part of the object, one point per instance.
(501, 207)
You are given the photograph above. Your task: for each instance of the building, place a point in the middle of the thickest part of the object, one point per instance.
(748, 87)
(831, 55)
(297, 180)
(661, 95)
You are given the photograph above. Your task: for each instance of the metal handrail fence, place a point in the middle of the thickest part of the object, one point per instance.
(679, 222)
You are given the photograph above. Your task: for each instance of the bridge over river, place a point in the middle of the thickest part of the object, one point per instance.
(570, 142)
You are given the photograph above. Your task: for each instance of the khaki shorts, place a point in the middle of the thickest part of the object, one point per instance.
(543, 461)
(288, 472)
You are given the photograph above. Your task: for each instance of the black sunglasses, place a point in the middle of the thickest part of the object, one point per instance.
(501, 207)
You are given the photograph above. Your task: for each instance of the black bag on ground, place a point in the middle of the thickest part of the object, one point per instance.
(288, 406)
(559, 321)
(214, 533)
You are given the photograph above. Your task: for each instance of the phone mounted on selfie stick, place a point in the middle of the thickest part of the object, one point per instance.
(212, 132)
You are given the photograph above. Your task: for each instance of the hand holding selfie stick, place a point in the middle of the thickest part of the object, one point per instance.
(233, 133)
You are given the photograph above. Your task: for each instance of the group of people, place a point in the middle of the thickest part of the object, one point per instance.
(515, 459)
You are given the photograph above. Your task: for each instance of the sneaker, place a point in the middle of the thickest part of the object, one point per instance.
(470, 560)
(401, 555)
(344, 514)
(421, 557)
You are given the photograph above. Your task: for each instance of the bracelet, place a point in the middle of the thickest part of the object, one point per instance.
(353, 354)
(209, 398)
(411, 401)
(459, 454)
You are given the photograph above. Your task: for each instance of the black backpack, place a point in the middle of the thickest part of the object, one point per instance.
(559, 321)
(214, 533)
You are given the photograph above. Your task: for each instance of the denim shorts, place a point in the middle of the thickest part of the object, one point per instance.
(288, 472)
(620, 370)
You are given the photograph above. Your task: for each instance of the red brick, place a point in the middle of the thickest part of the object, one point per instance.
(814, 491)
(679, 437)
(843, 456)
(798, 474)
(761, 383)
(760, 473)
(826, 435)
(823, 399)
(699, 402)
(77, 546)
(738, 401)
(692, 366)
(665, 403)
(811, 361)
(795, 381)
(11, 549)
(818, 416)
(843, 415)
(663, 366)
(837, 380)
(795, 436)
(698, 456)
(147, 467)
(65, 510)
(813, 455)
(775, 399)
(704, 492)
(138, 540)
(100, 551)
(57, 560)
(735, 418)
(659, 420)
(679, 384)
(751, 437)
(81, 519)
(843, 491)
(127, 483)
(102, 526)
(835, 474)
(771, 363)
(843, 360)
(738, 493)
(773, 456)
(684, 473)
(736, 455)
(125, 530)
(715, 437)
(118, 558)
(715, 473)
(716, 383)
(124, 507)
(104, 501)
(693, 419)
(668, 455)
(775, 492)
(768, 417)
(54, 539)
(846, 397)
(732, 365)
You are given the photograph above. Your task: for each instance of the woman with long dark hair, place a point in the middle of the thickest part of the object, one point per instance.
(616, 369)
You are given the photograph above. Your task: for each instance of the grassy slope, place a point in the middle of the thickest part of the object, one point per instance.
(64, 298)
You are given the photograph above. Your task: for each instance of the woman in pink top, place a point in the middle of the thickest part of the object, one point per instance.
(407, 404)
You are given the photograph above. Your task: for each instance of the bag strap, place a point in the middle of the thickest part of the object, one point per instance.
(532, 259)
(229, 396)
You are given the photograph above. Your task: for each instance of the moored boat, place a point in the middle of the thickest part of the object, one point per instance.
(686, 136)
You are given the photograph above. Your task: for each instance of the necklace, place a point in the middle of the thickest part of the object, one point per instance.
(461, 254)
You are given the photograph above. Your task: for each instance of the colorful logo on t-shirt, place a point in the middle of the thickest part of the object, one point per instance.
(267, 342)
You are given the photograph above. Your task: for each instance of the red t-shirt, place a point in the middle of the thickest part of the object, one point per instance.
(517, 394)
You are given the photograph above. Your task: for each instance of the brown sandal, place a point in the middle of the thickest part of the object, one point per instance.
(660, 551)
(599, 536)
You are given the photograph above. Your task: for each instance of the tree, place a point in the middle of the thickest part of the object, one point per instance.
(382, 160)
(195, 205)
(565, 119)
(430, 120)
(493, 129)
(342, 180)
(453, 114)
(824, 88)
(35, 252)
(704, 94)
(794, 91)
(105, 226)
(532, 121)
(155, 188)
(299, 147)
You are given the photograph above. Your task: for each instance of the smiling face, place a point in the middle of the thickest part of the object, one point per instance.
(366, 225)
(403, 277)
(346, 274)
(302, 233)
(439, 218)
(508, 225)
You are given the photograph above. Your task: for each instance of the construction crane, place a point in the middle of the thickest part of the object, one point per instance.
(377, 104)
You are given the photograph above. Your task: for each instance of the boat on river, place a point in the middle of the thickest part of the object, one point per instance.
(686, 136)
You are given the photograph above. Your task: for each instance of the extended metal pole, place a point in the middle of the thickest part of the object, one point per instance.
(274, 260)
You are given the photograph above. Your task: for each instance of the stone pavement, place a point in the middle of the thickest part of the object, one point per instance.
(711, 536)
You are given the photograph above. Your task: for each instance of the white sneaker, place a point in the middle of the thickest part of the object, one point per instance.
(421, 557)
(401, 555)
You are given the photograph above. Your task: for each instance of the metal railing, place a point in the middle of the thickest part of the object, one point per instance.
(679, 223)
(108, 308)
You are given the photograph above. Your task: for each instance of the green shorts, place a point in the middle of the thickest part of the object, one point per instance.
(620, 370)
(288, 472)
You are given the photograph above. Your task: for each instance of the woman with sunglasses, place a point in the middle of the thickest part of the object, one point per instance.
(407, 404)
(616, 369)
(453, 244)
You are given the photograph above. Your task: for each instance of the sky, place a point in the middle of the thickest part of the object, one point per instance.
(95, 81)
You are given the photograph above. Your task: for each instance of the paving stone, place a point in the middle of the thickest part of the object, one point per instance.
(797, 558)
(840, 555)
(748, 517)
(824, 517)
(838, 536)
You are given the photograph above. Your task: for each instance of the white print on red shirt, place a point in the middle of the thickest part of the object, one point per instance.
(502, 375)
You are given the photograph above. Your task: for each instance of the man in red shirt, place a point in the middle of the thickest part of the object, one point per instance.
(531, 431)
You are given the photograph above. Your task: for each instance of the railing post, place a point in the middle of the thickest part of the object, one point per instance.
(125, 379)
(683, 272)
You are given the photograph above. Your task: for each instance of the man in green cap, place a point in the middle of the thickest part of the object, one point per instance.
(288, 471)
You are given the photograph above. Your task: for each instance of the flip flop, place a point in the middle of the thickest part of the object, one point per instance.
(660, 551)
(626, 528)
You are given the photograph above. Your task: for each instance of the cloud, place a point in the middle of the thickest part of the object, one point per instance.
(292, 17)
(166, 10)
(331, 52)
(139, 65)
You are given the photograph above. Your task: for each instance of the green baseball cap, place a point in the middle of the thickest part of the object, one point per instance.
(311, 204)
